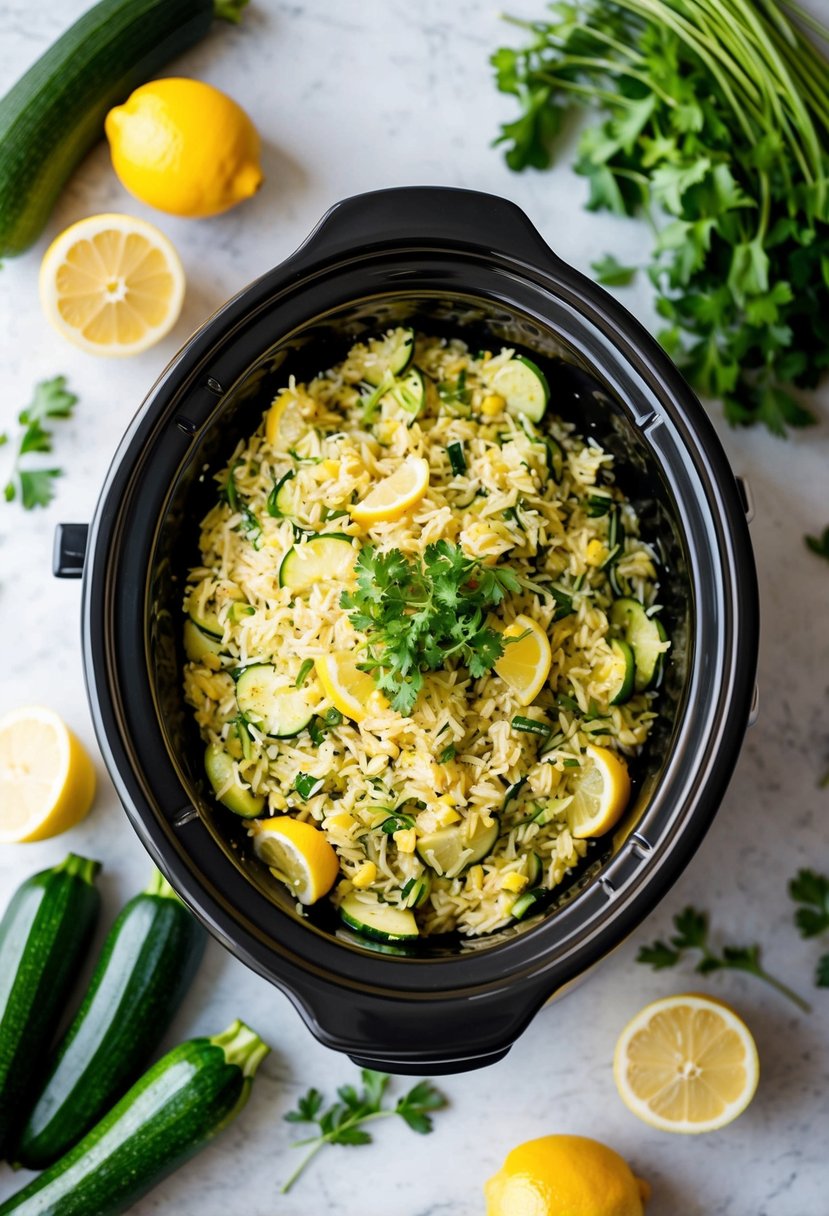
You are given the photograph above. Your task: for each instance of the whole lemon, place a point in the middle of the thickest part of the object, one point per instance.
(184, 147)
(565, 1176)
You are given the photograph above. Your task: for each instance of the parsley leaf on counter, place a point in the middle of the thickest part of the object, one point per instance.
(35, 487)
(692, 931)
(819, 545)
(811, 891)
(713, 123)
(419, 614)
(342, 1122)
(611, 273)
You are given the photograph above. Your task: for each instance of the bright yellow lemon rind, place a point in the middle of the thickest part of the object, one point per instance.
(298, 854)
(525, 665)
(394, 495)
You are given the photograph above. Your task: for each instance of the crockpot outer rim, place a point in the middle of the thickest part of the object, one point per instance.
(193, 363)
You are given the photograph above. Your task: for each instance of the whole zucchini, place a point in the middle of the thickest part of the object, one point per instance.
(172, 1112)
(44, 935)
(146, 966)
(54, 114)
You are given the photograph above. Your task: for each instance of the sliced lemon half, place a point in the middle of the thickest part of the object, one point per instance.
(601, 791)
(686, 1064)
(525, 664)
(112, 284)
(351, 691)
(394, 495)
(298, 854)
(284, 424)
(47, 780)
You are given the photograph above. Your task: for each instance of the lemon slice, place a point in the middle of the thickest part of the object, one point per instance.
(298, 854)
(601, 792)
(351, 691)
(686, 1064)
(394, 495)
(47, 780)
(284, 424)
(112, 284)
(525, 665)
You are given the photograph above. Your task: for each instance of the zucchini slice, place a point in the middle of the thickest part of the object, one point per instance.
(416, 891)
(408, 394)
(382, 922)
(646, 637)
(624, 671)
(208, 619)
(389, 355)
(282, 500)
(220, 770)
(325, 556)
(457, 460)
(524, 903)
(523, 386)
(449, 851)
(198, 644)
(280, 710)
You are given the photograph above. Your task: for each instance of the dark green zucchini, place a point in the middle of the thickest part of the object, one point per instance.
(55, 113)
(146, 966)
(44, 936)
(181, 1103)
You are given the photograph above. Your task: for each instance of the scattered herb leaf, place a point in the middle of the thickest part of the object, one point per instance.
(811, 892)
(819, 544)
(35, 487)
(611, 273)
(304, 672)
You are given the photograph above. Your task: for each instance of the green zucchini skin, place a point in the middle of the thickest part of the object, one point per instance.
(180, 1104)
(55, 113)
(44, 935)
(145, 968)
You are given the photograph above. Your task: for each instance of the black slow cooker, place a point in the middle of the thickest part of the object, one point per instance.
(453, 262)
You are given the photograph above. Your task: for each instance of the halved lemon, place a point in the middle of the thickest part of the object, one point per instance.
(351, 691)
(686, 1064)
(601, 791)
(284, 424)
(395, 494)
(47, 780)
(525, 664)
(298, 854)
(112, 284)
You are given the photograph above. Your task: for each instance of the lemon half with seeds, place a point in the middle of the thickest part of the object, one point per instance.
(565, 1176)
(112, 284)
(394, 495)
(686, 1064)
(525, 664)
(47, 780)
(601, 791)
(298, 854)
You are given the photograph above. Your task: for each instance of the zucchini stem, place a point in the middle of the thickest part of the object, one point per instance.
(158, 885)
(84, 867)
(242, 1047)
(229, 10)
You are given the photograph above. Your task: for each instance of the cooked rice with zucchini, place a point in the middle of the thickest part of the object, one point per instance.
(423, 639)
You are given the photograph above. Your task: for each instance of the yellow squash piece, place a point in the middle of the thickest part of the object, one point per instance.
(525, 664)
(298, 854)
(112, 284)
(565, 1176)
(184, 147)
(47, 780)
(394, 495)
(601, 791)
(686, 1064)
(350, 690)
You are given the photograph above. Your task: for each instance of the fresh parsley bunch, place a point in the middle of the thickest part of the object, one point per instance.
(421, 615)
(715, 126)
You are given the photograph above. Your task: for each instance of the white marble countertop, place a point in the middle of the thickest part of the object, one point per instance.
(349, 97)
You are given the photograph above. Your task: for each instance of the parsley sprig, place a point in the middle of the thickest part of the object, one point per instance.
(34, 486)
(811, 892)
(691, 934)
(343, 1122)
(819, 545)
(420, 615)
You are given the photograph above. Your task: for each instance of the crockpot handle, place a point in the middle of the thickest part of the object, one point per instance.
(423, 215)
(69, 552)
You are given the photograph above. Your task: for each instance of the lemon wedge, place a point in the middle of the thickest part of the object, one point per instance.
(298, 854)
(525, 664)
(47, 780)
(350, 690)
(284, 424)
(112, 284)
(394, 495)
(686, 1064)
(601, 792)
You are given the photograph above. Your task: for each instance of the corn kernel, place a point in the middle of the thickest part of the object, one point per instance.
(365, 876)
(444, 814)
(341, 820)
(596, 553)
(406, 840)
(514, 882)
(331, 467)
(475, 878)
(492, 404)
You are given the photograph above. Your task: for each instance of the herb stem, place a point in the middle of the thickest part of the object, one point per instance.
(784, 989)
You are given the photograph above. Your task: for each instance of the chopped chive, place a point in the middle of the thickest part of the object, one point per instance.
(306, 785)
(328, 513)
(447, 754)
(530, 726)
(565, 702)
(396, 823)
(332, 717)
(304, 671)
(571, 763)
(316, 731)
(456, 458)
(231, 494)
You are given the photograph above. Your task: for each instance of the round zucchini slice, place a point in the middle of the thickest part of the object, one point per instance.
(279, 710)
(646, 637)
(198, 644)
(220, 770)
(408, 394)
(326, 556)
(523, 386)
(624, 672)
(389, 355)
(208, 619)
(449, 851)
(363, 912)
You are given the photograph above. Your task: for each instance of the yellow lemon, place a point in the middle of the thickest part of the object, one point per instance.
(284, 424)
(351, 691)
(298, 855)
(601, 791)
(395, 494)
(565, 1176)
(47, 780)
(112, 284)
(184, 147)
(525, 664)
(686, 1064)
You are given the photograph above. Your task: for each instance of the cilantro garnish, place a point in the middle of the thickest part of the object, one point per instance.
(691, 934)
(35, 487)
(420, 615)
(811, 892)
(342, 1122)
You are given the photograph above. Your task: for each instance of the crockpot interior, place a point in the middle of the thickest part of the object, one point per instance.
(578, 395)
